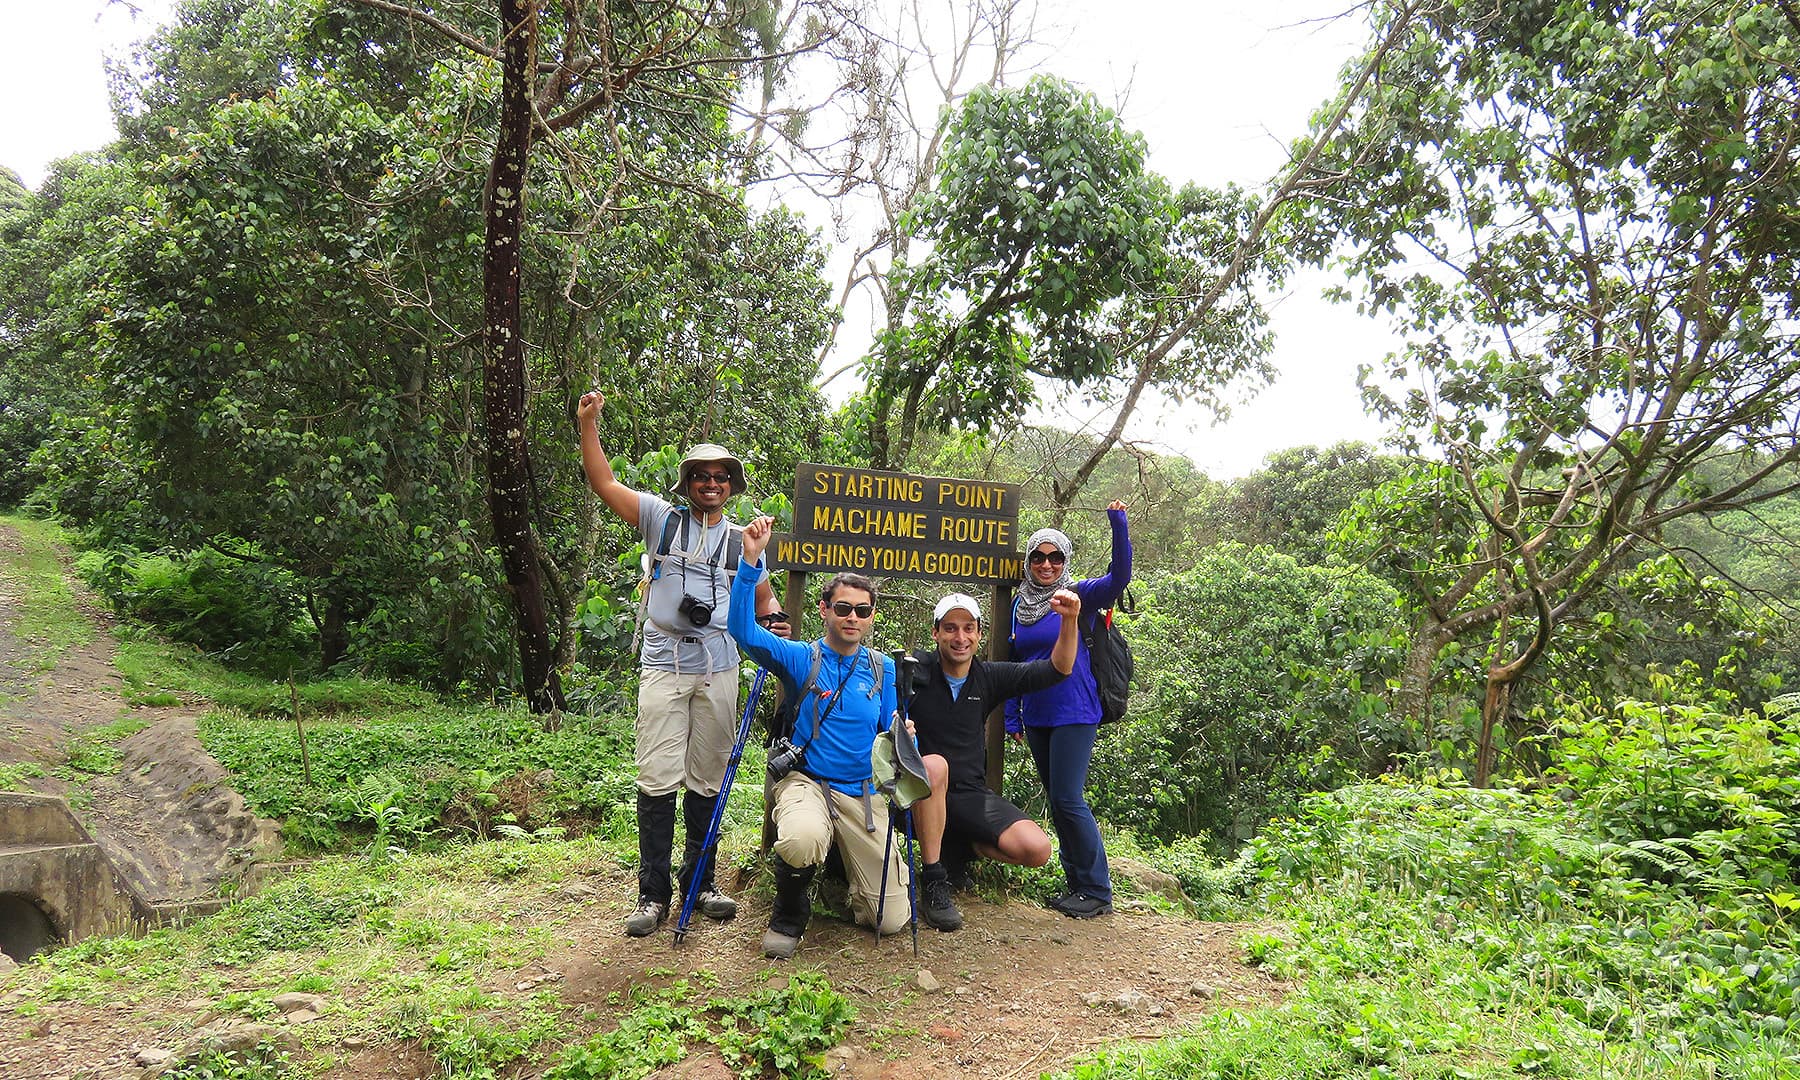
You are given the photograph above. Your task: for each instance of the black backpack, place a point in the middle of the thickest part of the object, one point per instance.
(1109, 656)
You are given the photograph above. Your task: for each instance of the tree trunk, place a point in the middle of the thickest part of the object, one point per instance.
(334, 631)
(1493, 706)
(503, 368)
(1413, 699)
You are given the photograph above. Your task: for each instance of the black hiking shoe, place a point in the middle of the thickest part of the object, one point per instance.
(1082, 906)
(938, 910)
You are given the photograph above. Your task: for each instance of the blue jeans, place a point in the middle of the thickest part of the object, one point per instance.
(1062, 755)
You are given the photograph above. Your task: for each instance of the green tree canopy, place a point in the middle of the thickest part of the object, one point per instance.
(1583, 218)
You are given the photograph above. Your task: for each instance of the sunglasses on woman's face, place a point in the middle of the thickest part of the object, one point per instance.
(1054, 558)
(843, 608)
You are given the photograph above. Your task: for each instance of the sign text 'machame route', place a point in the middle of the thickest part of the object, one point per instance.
(899, 525)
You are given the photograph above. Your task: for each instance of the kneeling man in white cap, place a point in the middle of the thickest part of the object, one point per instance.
(954, 692)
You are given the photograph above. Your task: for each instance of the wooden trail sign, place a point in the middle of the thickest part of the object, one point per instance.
(888, 524)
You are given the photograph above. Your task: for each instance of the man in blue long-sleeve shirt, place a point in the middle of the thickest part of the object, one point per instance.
(829, 796)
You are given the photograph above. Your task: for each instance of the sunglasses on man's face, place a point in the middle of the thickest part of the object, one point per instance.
(843, 608)
(696, 476)
(1054, 558)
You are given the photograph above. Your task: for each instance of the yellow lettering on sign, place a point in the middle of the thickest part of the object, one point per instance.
(970, 496)
(974, 530)
(863, 521)
(903, 489)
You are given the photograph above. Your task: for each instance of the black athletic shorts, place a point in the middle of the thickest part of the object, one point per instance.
(980, 815)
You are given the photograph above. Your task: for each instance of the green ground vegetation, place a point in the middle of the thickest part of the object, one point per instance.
(1633, 916)
(402, 942)
(48, 622)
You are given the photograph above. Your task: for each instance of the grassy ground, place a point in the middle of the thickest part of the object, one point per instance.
(1428, 933)
(48, 622)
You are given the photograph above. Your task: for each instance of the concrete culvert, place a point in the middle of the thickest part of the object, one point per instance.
(25, 930)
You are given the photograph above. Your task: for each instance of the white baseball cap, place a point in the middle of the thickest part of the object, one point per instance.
(951, 603)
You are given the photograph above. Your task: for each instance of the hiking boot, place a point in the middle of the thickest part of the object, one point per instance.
(648, 916)
(716, 905)
(779, 946)
(1082, 906)
(708, 900)
(791, 911)
(939, 909)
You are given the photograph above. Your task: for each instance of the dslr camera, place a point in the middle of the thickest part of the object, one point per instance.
(697, 611)
(785, 757)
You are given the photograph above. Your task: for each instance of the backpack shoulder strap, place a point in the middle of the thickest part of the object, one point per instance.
(877, 665)
(734, 549)
(806, 689)
(667, 542)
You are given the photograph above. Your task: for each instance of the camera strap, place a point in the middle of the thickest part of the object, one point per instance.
(725, 558)
(823, 712)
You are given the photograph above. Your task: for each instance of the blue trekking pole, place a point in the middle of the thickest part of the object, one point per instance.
(718, 816)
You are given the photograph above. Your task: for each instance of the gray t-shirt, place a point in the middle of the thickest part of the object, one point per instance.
(693, 567)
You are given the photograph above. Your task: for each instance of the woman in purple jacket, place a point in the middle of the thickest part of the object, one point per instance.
(1059, 723)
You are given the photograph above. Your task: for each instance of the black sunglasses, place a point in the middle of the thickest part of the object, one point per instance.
(1054, 558)
(843, 608)
(716, 477)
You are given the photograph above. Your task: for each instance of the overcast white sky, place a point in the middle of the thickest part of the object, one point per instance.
(1217, 86)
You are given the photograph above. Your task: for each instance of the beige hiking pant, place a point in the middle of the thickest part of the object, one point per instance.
(805, 828)
(686, 724)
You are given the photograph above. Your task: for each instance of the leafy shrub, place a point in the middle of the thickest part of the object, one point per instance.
(779, 1031)
(421, 775)
(296, 913)
(1695, 796)
(1259, 679)
(233, 606)
(1651, 894)
(263, 1062)
(472, 1047)
(1216, 890)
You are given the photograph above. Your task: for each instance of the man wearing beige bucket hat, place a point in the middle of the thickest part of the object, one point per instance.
(688, 664)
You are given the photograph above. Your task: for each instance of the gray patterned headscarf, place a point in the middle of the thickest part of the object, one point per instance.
(1034, 599)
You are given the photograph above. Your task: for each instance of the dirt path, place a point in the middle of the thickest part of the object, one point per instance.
(1019, 991)
(168, 818)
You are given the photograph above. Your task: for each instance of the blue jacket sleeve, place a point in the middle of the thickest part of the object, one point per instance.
(788, 660)
(1105, 590)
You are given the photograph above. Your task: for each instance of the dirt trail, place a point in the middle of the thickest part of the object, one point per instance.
(1022, 990)
(168, 818)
